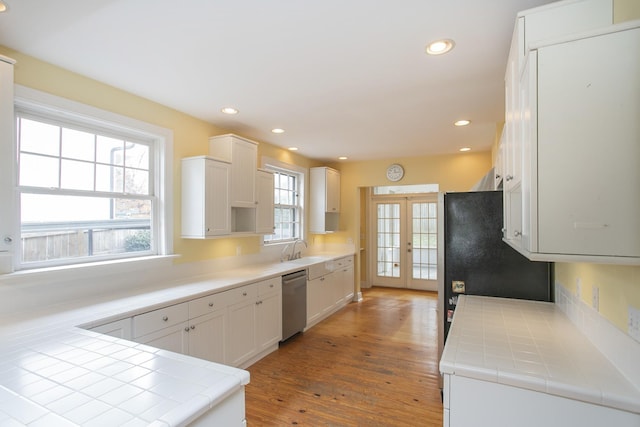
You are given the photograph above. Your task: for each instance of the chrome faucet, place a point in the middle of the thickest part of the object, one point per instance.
(294, 254)
(284, 257)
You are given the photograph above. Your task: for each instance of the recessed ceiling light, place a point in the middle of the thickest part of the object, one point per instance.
(462, 122)
(277, 130)
(229, 110)
(293, 148)
(342, 158)
(465, 149)
(439, 47)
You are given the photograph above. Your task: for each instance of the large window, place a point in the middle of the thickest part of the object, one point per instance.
(287, 204)
(87, 189)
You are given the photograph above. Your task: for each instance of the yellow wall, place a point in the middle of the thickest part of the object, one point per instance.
(619, 285)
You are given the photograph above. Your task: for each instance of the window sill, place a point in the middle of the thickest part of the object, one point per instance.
(89, 271)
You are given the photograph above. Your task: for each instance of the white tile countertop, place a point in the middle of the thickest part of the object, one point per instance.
(532, 345)
(55, 373)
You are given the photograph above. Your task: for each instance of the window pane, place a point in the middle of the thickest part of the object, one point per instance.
(136, 155)
(136, 181)
(36, 137)
(61, 227)
(109, 150)
(39, 171)
(109, 178)
(76, 175)
(78, 145)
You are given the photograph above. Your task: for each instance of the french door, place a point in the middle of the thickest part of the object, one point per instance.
(405, 235)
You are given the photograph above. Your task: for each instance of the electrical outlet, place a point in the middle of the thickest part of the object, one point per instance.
(634, 323)
(595, 298)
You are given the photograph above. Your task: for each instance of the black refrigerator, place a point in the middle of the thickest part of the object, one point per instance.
(478, 262)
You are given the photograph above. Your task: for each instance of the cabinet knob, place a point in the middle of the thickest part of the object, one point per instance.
(517, 233)
(193, 326)
(165, 318)
(210, 304)
(186, 329)
(509, 177)
(244, 294)
(498, 176)
(271, 285)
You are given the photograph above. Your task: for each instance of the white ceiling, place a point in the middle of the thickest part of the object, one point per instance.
(342, 77)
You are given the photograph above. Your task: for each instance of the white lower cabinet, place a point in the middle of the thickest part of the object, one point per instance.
(241, 331)
(330, 286)
(234, 327)
(207, 337)
(166, 328)
(255, 321)
(472, 402)
(269, 314)
(346, 281)
(318, 299)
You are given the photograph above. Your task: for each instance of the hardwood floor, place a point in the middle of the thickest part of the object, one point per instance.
(373, 363)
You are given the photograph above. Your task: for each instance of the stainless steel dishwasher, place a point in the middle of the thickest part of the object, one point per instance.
(294, 303)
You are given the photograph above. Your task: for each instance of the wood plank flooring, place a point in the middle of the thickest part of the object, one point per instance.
(373, 363)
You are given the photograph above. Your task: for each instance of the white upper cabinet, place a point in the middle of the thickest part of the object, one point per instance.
(578, 199)
(325, 200)
(243, 156)
(555, 20)
(205, 197)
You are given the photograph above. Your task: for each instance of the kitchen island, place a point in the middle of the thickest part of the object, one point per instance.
(54, 371)
(513, 362)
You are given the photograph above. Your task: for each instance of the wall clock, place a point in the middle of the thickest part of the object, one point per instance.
(395, 172)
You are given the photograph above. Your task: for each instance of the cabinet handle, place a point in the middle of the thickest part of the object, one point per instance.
(271, 285)
(210, 304)
(322, 279)
(517, 233)
(498, 176)
(509, 177)
(165, 318)
(244, 294)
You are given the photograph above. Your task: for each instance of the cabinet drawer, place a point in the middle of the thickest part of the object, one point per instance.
(270, 285)
(319, 270)
(207, 304)
(345, 262)
(241, 294)
(159, 319)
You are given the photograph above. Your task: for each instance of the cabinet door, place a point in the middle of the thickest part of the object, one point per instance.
(316, 300)
(333, 191)
(347, 283)
(269, 320)
(217, 210)
(207, 336)
(174, 338)
(244, 165)
(241, 330)
(588, 150)
(264, 208)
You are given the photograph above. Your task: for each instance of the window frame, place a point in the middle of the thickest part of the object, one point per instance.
(39, 105)
(273, 165)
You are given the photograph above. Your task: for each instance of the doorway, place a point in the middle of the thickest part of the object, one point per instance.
(404, 241)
